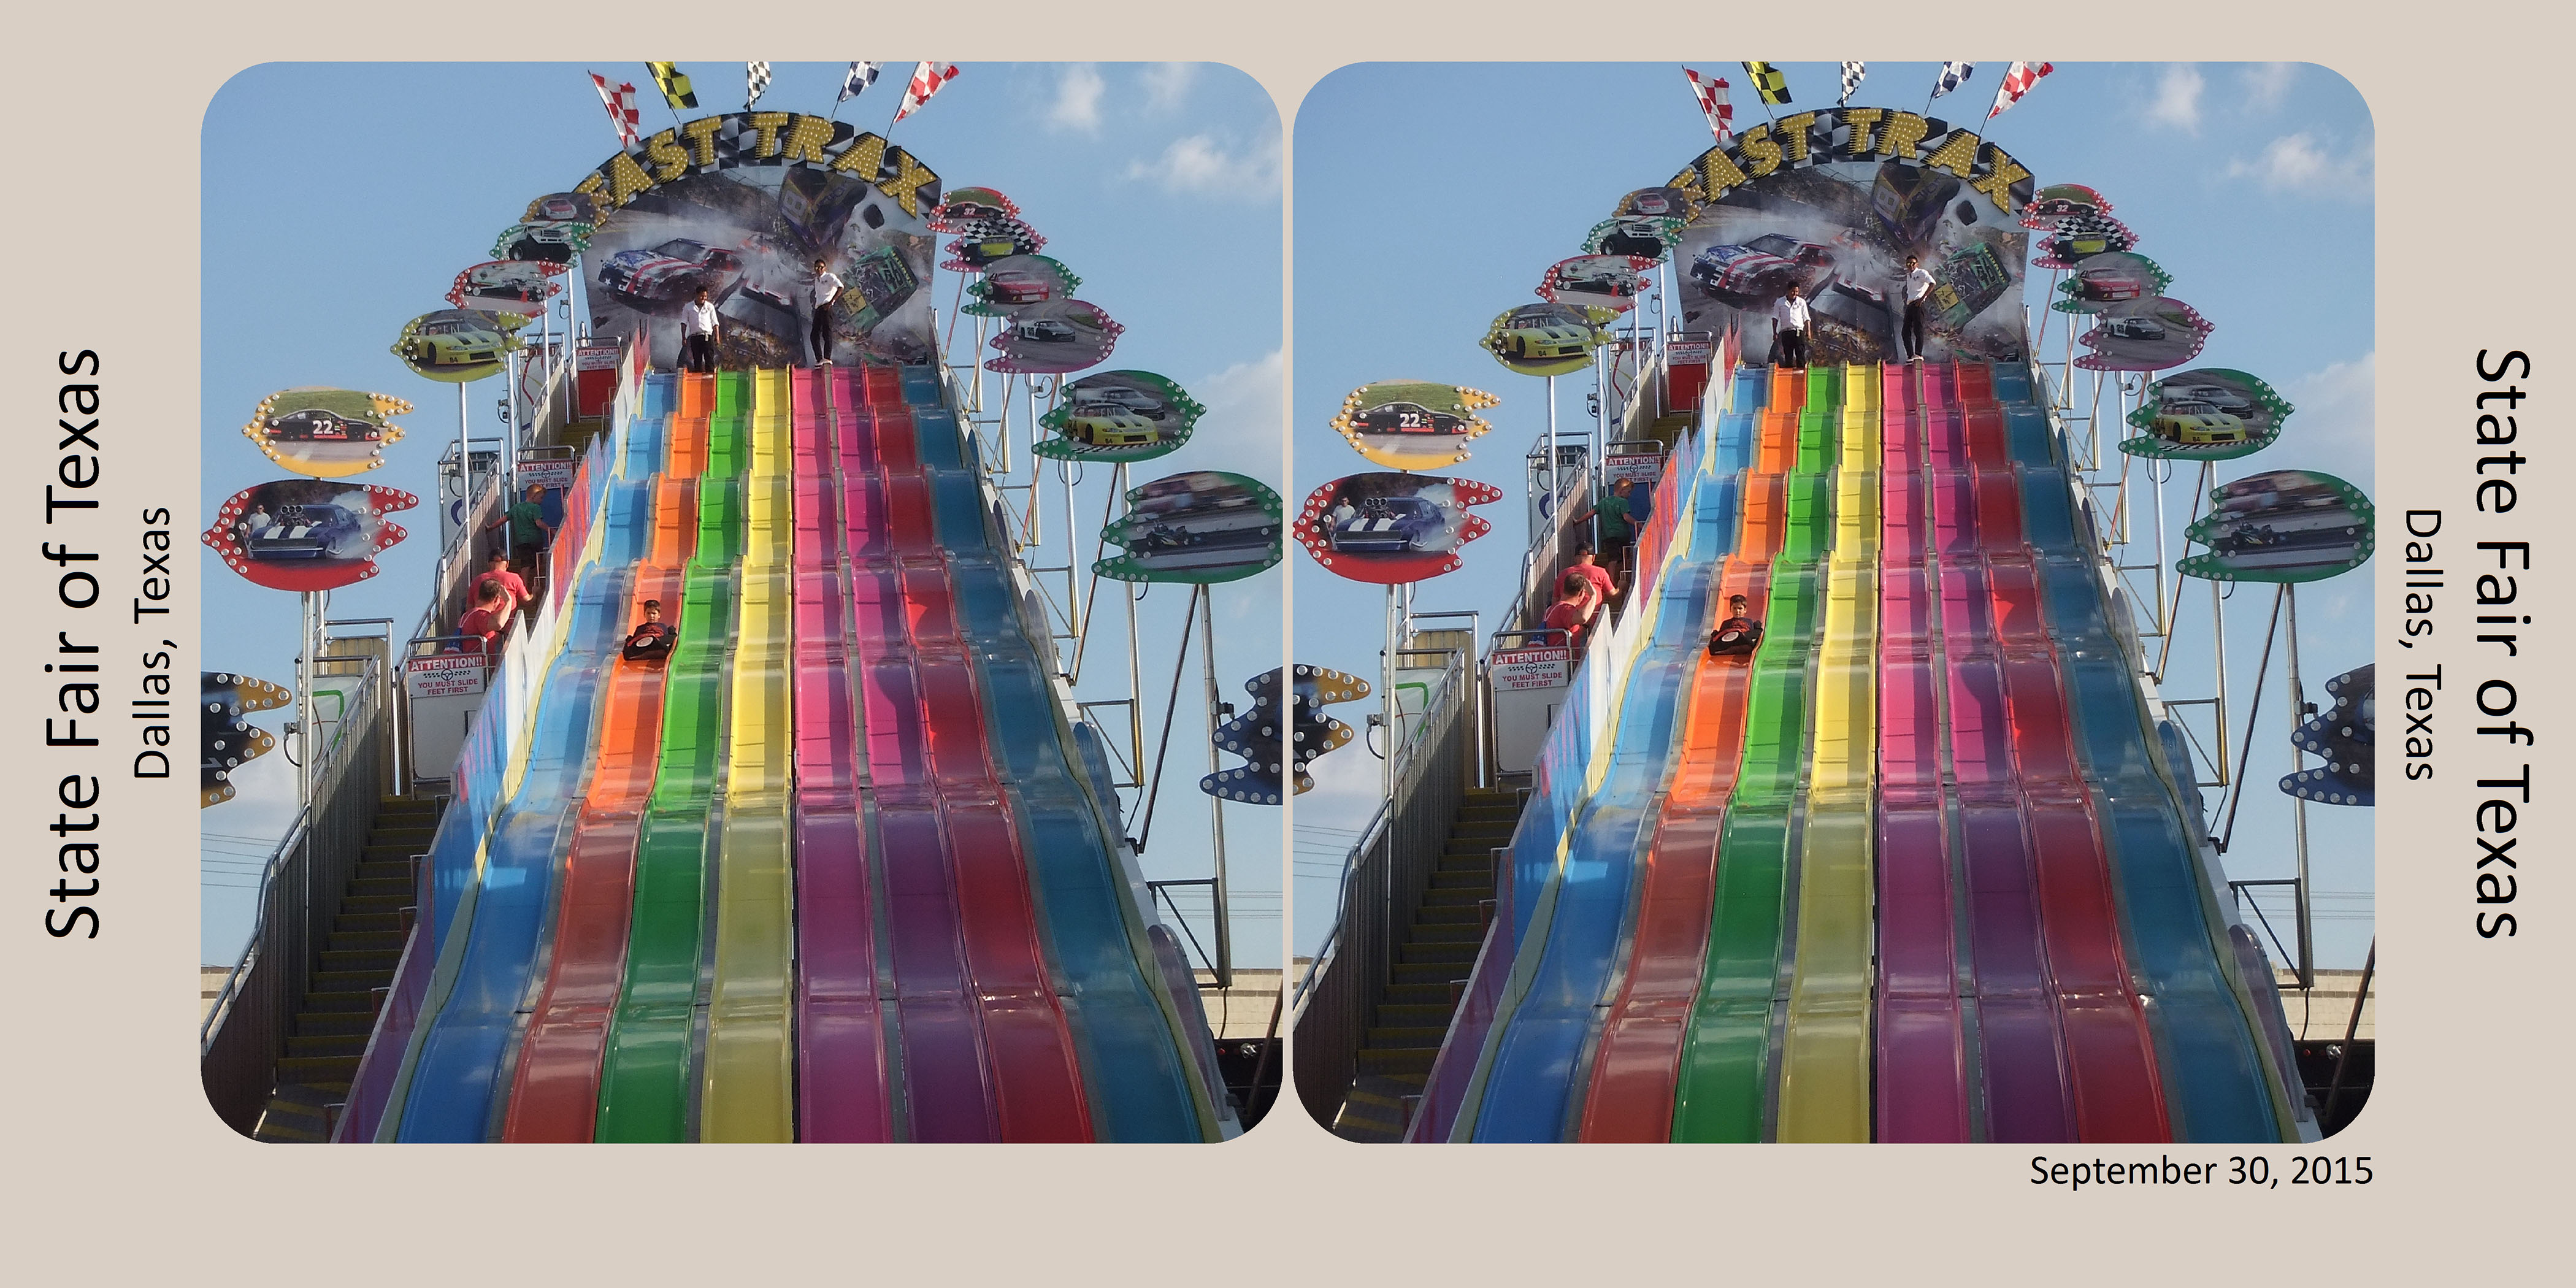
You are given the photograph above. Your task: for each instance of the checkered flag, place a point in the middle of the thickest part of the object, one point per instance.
(1852, 72)
(620, 103)
(759, 84)
(1953, 75)
(1769, 82)
(1711, 93)
(861, 76)
(2017, 82)
(927, 79)
(674, 84)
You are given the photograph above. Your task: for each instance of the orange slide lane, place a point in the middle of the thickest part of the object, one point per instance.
(554, 1097)
(1636, 1074)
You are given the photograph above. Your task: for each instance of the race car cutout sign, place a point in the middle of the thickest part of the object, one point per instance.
(547, 241)
(989, 241)
(2062, 200)
(964, 208)
(2344, 737)
(2116, 277)
(326, 433)
(1546, 339)
(2207, 414)
(1595, 281)
(506, 286)
(565, 208)
(1659, 203)
(1646, 237)
(1064, 335)
(1280, 733)
(2144, 335)
(306, 534)
(1119, 416)
(2281, 526)
(459, 346)
(2074, 239)
(1413, 424)
(1390, 529)
(1202, 527)
(227, 741)
(1015, 282)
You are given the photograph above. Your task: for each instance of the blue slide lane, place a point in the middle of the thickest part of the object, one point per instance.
(1527, 1091)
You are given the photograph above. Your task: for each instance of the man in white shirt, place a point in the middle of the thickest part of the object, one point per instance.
(698, 333)
(827, 288)
(1789, 329)
(1916, 282)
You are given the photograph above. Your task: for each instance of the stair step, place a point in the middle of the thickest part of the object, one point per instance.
(1399, 1060)
(1415, 1014)
(331, 1045)
(1469, 932)
(367, 941)
(1437, 974)
(371, 961)
(312, 1023)
(1450, 912)
(360, 982)
(1460, 955)
(339, 1000)
(367, 923)
(1406, 1037)
(1483, 881)
(327, 1072)
(1410, 995)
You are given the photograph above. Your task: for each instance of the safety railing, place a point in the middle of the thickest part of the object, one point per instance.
(1382, 884)
(244, 1035)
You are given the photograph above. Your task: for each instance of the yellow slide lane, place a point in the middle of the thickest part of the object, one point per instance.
(750, 1060)
(1825, 1058)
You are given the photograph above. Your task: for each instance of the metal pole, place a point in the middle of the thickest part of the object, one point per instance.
(1549, 509)
(1216, 802)
(2351, 1028)
(1386, 701)
(464, 475)
(2299, 805)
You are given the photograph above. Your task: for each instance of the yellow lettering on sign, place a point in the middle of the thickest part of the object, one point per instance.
(625, 179)
(702, 139)
(764, 130)
(1688, 180)
(1997, 185)
(1860, 119)
(905, 186)
(1760, 150)
(1718, 173)
(863, 157)
(1902, 132)
(669, 161)
(806, 138)
(589, 187)
(1793, 134)
(1958, 155)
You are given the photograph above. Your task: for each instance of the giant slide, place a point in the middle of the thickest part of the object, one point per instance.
(1915, 870)
(832, 871)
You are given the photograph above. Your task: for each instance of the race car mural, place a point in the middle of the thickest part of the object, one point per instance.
(2114, 277)
(964, 208)
(2076, 238)
(306, 534)
(663, 277)
(1118, 416)
(1391, 529)
(2281, 526)
(1201, 528)
(2144, 335)
(459, 346)
(546, 242)
(2208, 414)
(1762, 270)
(326, 433)
(1413, 424)
(1646, 237)
(1015, 282)
(1595, 281)
(1062, 335)
(1660, 203)
(1909, 200)
(988, 241)
(564, 208)
(1546, 339)
(2060, 201)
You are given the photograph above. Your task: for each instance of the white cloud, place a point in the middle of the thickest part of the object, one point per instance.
(1077, 99)
(1167, 83)
(2333, 427)
(1244, 426)
(2177, 101)
(1204, 163)
(2267, 83)
(2300, 163)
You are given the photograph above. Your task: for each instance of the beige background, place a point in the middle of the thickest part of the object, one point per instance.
(115, 1169)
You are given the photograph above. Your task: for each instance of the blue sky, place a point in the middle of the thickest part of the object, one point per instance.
(1431, 196)
(340, 200)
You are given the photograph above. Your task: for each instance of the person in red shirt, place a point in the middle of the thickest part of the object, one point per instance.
(496, 568)
(490, 615)
(1577, 605)
(651, 640)
(1593, 572)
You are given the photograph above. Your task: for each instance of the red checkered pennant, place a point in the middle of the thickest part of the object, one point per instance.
(2017, 82)
(927, 79)
(1711, 93)
(620, 103)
